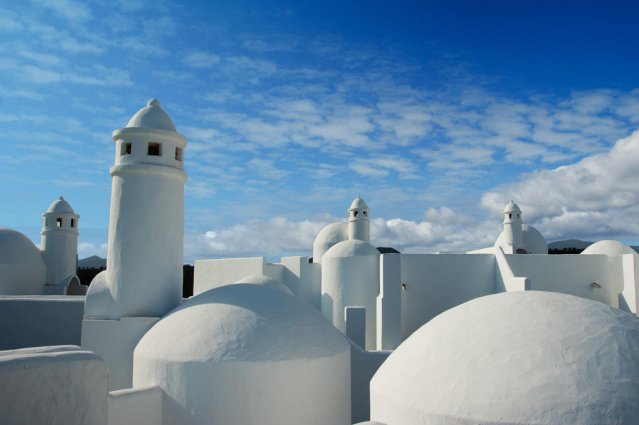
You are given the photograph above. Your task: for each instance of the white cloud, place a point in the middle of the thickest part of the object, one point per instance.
(597, 196)
(200, 59)
(72, 10)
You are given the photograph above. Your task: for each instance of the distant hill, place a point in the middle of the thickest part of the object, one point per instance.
(92, 262)
(569, 243)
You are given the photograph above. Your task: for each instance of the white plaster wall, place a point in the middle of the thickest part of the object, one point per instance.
(629, 296)
(30, 321)
(209, 274)
(437, 282)
(351, 281)
(62, 385)
(389, 302)
(364, 364)
(313, 391)
(304, 279)
(114, 341)
(22, 279)
(139, 406)
(145, 246)
(571, 274)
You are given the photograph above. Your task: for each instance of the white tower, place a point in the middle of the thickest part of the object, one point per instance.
(513, 232)
(59, 242)
(359, 225)
(146, 225)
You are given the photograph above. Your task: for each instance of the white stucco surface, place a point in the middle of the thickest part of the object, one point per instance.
(59, 242)
(350, 277)
(437, 282)
(572, 274)
(38, 320)
(22, 269)
(608, 247)
(533, 241)
(245, 353)
(209, 274)
(330, 235)
(265, 281)
(139, 406)
(114, 341)
(152, 116)
(518, 358)
(61, 385)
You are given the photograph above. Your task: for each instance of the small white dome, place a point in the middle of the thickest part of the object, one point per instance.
(260, 279)
(231, 355)
(329, 236)
(514, 358)
(60, 206)
(534, 242)
(351, 248)
(22, 268)
(358, 203)
(152, 116)
(608, 247)
(511, 207)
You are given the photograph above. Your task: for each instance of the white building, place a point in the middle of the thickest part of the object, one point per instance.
(506, 334)
(27, 270)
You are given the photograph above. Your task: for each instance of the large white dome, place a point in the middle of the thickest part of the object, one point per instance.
(22, 269)
(247, 353)
(514, 358)
(608, 247)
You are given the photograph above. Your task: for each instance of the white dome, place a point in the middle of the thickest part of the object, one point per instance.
(233, 353)
(351, 248)
(266, 281)
(608, 247)
(514, 358)
(330, 235)
(60, 206)
(152, 116)
(358, 203)
(534, 242)
(22, 269)
(511, 207)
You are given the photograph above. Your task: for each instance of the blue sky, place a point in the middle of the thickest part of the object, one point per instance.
(436, 113)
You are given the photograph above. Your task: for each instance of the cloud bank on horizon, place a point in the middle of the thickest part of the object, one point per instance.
(292, 110)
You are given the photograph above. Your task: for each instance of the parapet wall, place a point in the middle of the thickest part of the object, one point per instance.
(32, 321)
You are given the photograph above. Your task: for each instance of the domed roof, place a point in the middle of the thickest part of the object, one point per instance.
(242, 322)
(517, 358)
(152, 116)
(60, 206)
(351, 248)
(329, 236)
(234, 354)
(534, 242)
(608, 247)
(16, 248)
(266, 281)
(358, 203)
(511, 207)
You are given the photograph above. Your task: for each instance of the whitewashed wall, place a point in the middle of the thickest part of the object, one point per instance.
(61, 385)
(437, 282)
(209, 274)
(572, 274)
(31, 321)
